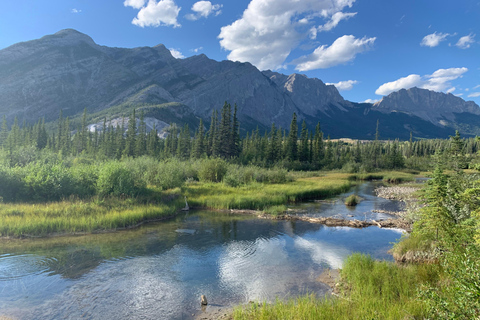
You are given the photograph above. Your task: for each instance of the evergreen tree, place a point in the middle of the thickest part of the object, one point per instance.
(303, 147)
(225, 132)
(199, 145)
(235, 135)
(4, 132)
(291, 148)
(141, 138)
(130, 140)
(183, 149)
(41, 135)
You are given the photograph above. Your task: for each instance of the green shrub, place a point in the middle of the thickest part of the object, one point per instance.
(11, 187)
(48, 182)
(212, 170)
(116, 179)
(352, 200)
(85, 180)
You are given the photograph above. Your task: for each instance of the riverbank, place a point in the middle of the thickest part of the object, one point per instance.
(368, 289)
(97, 214)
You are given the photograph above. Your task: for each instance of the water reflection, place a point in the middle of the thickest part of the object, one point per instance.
(160, 270)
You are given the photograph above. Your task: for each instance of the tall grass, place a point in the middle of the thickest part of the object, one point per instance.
(386, 176)
(79, 216)
(259, 196)
(371, 290)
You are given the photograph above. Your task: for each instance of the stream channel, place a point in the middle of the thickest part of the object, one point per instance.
(159, 271)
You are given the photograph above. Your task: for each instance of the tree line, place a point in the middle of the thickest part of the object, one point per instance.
(297, 148)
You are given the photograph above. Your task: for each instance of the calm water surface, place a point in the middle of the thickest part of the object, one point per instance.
(160, 270)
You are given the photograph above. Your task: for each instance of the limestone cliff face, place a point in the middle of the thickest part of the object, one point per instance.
(435, 107)
(68, 71)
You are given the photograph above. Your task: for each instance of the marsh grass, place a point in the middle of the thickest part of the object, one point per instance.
(85, 216)
(386, 176)
(352, 200)
(276, 210)
(97, 214)
(259, 196)
(370, 290)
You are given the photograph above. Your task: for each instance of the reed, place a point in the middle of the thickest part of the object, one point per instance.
(352, 200)
(80, 216)
(259, 196)
(386, 176)
(370, 290)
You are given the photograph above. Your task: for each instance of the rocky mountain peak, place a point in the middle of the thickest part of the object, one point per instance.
(435, 107)
(67, 37)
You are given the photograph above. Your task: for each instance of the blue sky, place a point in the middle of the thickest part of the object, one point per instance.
(367, 48)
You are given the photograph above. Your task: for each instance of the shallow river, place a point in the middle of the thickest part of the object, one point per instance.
(160, 270)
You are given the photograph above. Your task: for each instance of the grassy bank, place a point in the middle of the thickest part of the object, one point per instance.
(386, 176)
(370, 290)
(85, 216)
(98, 214)
(259, 196)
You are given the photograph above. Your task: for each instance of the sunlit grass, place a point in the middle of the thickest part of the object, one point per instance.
(387, 176)
(100, 214)
(258, 196)
(370, 290)
(81, 216)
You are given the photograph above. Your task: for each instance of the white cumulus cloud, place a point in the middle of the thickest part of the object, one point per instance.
(176, 53)
(202, 9)
(74, 10)
(270, 29)
(335, 20)
(466, 41)
(344, 85)
(440, 80)
(196, 50)
(154, 14)
(342, 50)
(137, 4)
(434, 39)
(474, 95)
(372, 101)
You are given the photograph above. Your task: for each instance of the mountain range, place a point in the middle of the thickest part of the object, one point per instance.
(68, 71)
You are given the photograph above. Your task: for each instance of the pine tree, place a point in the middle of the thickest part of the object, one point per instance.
(130, 139)
(183, 149)
(41, 135)
(235, 135)
(303, 147)
(318, 147)
(224, 133)
(141, 138)
(4, 132)
(291, 149)
(199, 145)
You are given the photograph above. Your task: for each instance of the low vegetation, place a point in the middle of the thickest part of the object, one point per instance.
(352, 200)
(369, 290)
(44, 198)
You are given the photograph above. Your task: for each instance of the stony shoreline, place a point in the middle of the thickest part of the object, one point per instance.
(397, 223)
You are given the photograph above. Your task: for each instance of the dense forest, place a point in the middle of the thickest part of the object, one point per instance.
(296, 148)
(37, 164)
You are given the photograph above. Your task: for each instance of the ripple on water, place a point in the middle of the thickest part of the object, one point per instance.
(17, 266)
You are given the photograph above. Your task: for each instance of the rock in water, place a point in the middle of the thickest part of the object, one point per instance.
(203, 300)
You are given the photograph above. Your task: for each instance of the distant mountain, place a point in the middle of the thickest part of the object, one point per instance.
(68, 71)
(438, 108)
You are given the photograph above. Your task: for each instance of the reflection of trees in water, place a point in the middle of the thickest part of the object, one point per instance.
(73, 257)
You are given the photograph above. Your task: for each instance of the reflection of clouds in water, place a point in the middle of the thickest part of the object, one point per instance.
(258, 269)
(137, 288)
(323, 252)
(399, 231)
